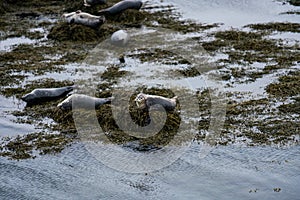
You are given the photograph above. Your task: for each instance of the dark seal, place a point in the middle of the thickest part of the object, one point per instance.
(121, 7)
(46, 94)
(94, 2)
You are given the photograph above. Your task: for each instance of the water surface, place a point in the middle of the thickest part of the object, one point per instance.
(227, 172)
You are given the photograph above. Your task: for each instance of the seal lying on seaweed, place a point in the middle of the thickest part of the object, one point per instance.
(83, 101)
(145, 101)
(83, 18)
(94, 2)
(121, 7)
(46, 94)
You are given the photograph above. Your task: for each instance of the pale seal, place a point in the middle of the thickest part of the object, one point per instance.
(145, 101)
(119, 38)
(46, 94)
(83, 101)
(121, 7)
(83, 18)
(93, 2)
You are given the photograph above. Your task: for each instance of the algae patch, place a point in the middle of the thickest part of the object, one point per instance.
(278, 26)
(294, 2)
(73, 32)
(23, 147)
(244, 48)
(291, 108)
(288, 85)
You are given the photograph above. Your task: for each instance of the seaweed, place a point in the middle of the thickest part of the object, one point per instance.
(70, 44)
(288, 85)
(277, 26)
(291, 108)
(23, 147)
(294, 2)
(245, 48)
(74, 32)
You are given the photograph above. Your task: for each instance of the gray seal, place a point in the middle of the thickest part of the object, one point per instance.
(83, 18)
(94, 2)
(121, 7)
(46, 94)
(145, 101)
(83, 101)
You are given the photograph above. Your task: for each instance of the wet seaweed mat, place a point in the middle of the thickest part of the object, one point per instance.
(267, 121)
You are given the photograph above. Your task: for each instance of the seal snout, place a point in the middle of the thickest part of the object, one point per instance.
(140, 101)
(60, 106)
(28, 97)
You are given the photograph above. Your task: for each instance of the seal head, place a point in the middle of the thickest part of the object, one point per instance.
(146, 101)
(83, 18)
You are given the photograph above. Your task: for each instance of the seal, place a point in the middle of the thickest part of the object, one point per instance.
(119, 38)
(83, 101)
(145, 101)
(121, 7)
(93, 2)
(46, 94)
(83, 18)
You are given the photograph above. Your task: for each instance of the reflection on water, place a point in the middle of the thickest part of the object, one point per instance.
(9, 43)
(7, 125)
(228, 172)
(235, 13)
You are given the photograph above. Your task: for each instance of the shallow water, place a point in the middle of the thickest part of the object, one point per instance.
(226, 172)
(235, 13)
(9, 43)
(7, 121)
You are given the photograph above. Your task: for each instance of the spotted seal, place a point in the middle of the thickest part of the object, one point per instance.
(93, 2)
(145, 101)
(121, 7)
(83, 18)
(83, 101)
(46, 94)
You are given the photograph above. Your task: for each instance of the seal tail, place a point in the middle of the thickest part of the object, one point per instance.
(146, 3)
(103, 12)
(110, 99)
(72, 87)
(24, 98)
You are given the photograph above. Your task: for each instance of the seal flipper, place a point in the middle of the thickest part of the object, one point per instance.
(103, 12)
(72, 21)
